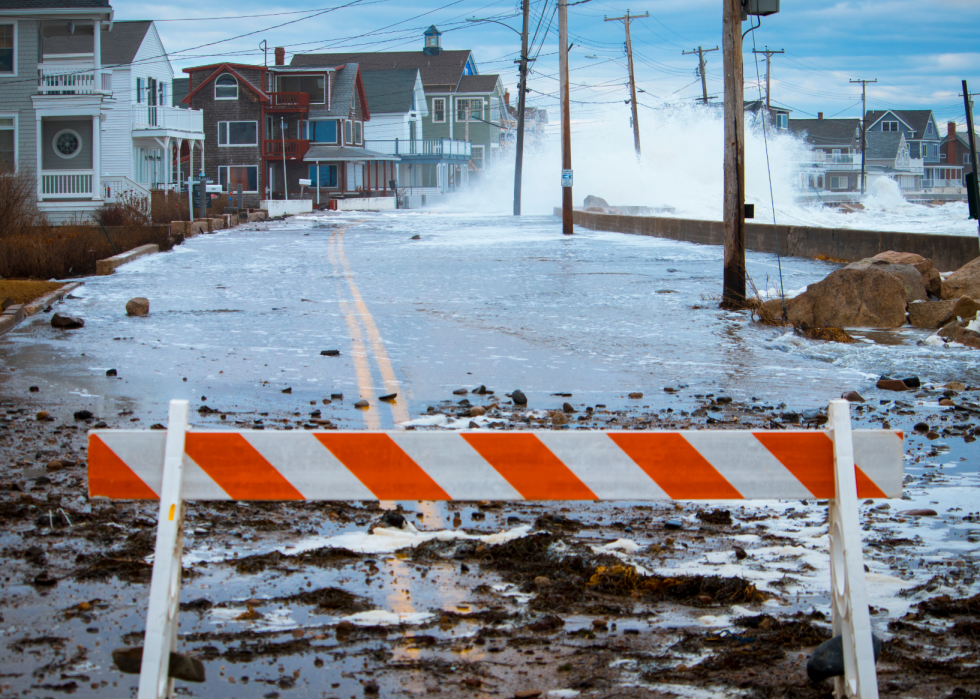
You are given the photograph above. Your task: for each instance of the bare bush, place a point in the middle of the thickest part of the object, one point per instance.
(19, 214)
(130, 209)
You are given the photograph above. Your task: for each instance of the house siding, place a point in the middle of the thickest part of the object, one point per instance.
(16, 92)
(117, 142)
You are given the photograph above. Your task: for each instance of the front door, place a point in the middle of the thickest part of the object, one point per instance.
(151, 100)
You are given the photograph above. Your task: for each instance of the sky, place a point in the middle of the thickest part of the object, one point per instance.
(919, 50)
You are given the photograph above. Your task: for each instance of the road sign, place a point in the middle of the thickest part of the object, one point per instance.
(566, 178)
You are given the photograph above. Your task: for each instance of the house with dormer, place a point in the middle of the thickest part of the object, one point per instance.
(274, 126)
(889, 155)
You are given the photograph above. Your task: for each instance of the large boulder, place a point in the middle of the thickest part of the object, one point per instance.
(915, 283)
(138, 306)
(961, 332)
(930, 314)
(66, 322)
(963, 282)
(930, 275)
(593, 200)
(852, 297)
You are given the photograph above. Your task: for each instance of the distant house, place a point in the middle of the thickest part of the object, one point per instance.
(954, 151)
(835, 162)
(462, 105)
(779, 115)
(535, 120)
(84, 104)
(272, 126)
(888, 155)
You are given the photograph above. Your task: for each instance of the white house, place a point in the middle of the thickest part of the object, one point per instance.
(84, 103)
(397, 101)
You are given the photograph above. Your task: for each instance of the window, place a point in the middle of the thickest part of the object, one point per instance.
(358, 132)
(477, 157)
(321, 130)
(929, 128)
(495, 110)
(8, 49)
(139, 90)
(889, 126)
(313, 85)
(475, 106)
(838, 183)
(238, 133)
(247, 175)
(966, 158)
(67, 144)
(8, 143)
(439, 109)
(348, 132)
(782, 121)
(226, 87)
(328, 175)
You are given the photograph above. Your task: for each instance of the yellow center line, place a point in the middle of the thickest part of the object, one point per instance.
(398, 411)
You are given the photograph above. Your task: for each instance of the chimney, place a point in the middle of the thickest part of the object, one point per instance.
(280, 56)
(507, 99)
(819, 115)
(951, 129)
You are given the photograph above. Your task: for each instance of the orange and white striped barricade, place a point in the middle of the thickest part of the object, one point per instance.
(831, 464)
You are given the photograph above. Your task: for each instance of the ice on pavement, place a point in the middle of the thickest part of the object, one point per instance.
(380, 617)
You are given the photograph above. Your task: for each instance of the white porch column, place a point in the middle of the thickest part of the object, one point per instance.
(180, 146)
(168, 164)
(40, 157)
(97, 157)
(190, 174)
(318, 182)
(97, 50)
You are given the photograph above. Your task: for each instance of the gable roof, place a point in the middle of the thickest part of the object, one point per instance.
(914, 119)
(826, 132)
(884, 145)
(346, 83)
(390, 91)
(477, 83)
(444, 69)
(225, 68)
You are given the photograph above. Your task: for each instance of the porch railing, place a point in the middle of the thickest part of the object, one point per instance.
(293, 148)
(73, 79)
(74, 184)
(147, 117)
(289, 100)
(445, 147)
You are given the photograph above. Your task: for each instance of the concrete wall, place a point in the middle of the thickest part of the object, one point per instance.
(279, 207)
(948, 252)
(366, 204)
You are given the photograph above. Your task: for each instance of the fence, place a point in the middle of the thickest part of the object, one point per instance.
(179, 465)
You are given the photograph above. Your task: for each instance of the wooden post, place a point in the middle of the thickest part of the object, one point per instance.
(567, 223)
(733, 295)
(522, 88)
(626, 19)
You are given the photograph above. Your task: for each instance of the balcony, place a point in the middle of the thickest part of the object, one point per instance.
(836, 161)
(163, 118)
(288, 102)
(73, 79)
(442, 148)
(291, 148)
(67, 184)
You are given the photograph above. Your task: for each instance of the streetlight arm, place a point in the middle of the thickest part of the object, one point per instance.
(475, 19)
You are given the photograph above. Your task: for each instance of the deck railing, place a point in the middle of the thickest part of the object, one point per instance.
(147, 117)
(73, 79)
(445, 147)
(285, 101)
(75, 184)
(292, 147)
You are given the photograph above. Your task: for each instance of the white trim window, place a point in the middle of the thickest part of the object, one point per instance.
(249, 174)
(889, 126)
(966, 158)
(476, 157)
(226, 87)
(67, 144)
(838, 182)
(8, 142)
(8, 49)
(348, 132)
(358, 133)
(782, 121)
(475, 106)
(494, 110)
(238, 133)
(438, 110)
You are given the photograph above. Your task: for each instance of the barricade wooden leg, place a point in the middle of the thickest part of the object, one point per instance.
(161, 618)
(849, 599)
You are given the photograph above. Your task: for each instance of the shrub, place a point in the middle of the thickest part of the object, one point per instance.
(19, 214)
(130, 210)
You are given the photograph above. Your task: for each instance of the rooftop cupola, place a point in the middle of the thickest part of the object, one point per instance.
(433, 41)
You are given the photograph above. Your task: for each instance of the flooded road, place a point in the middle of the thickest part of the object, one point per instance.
(342, 600)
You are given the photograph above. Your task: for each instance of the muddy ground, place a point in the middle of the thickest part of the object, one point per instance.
(702, 600)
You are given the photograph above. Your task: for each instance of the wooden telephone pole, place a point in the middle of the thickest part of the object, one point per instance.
(733, 295)
(972, 182)
(769, 54)
(864, 125)
(704, 83)
(567, 223)
(522, 88)
(626, 19)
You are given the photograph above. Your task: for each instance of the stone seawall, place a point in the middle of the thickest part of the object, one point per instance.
(948, 252)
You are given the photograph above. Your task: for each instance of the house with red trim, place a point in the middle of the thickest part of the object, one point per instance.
(269, 127)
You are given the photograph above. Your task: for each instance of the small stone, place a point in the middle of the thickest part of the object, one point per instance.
(886, 384)
(344, 629)
(416, 237)
(955, 386)
(42, 416)
(558, 418)
(101, 425)
(828, 659)
(330, 353)
(636, 395)
(477, 411)
(336, 396)
(740, 553)
(919, 513)
(361, 404)
(932, 434)
(852, 397)
(528, 694)
(34, 389)
(83, 415)
(912, 382)
(111, 372)
(673, 524)
(393, 519)
(460, 392)
(946, 402)
(790, 417)
(66, 322)
(567, 407)
(472, 426)
(542, 581)
(921, 427)
(138, 306)
(288, 390)
(388, 398)
(518, 397)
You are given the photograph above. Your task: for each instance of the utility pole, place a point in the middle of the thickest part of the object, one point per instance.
(704, 83)
(733, 294)
(769, 54)
(567, 222)
(864, 125)
(972, 184)
(522, 88)
(626, 19)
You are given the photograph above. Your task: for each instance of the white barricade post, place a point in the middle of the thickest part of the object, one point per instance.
(834, 464)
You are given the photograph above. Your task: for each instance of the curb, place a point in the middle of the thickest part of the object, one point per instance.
(15, 314)
(109, 265)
